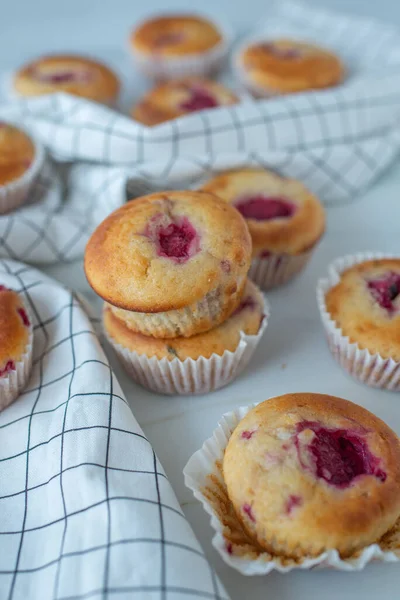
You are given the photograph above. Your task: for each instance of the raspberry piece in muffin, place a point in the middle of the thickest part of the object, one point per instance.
(75, 75)
(172, 46)
(317, 473)
(171, 264)
(15, 346)
(285, 66)
(176, 98)
(285, 220)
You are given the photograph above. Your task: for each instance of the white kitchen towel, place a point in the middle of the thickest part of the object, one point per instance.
(86, 509)
(337, 141)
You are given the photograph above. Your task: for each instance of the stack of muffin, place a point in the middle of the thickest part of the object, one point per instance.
(179, 310)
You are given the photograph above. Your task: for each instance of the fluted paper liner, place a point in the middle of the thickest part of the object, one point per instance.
(13, 194)
(277, 269)
(203, 475)
(363, 365)
(200, 64)
(190, 376)
(12, 384)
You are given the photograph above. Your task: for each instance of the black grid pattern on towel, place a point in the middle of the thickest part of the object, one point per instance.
(87, 511)
(337, 141)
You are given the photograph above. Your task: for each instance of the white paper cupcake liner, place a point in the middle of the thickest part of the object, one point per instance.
(12, 384)
(364, 366)
(203, 475)
(277, 269)
(201, 64)
(13, 194)
(200, 376)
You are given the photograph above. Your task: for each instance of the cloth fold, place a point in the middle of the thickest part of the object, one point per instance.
(86, 508)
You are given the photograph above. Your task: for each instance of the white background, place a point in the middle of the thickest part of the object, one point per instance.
(293, 355)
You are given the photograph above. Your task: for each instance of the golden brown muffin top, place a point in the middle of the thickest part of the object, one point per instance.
(282, 215)
(16, 153)
(179, 97)
(167, 250)
(286, 66)
(72, 74)
(365, 305)
(14, 329)
(175, 36)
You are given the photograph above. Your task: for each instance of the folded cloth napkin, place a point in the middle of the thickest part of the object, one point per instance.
(86, 509)
(337, 141)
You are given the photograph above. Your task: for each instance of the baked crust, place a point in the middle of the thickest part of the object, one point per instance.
(247, 319)
(124, 266)
(284, 504)
(14, 334)
(175, 36)
(164, 102)
(16, 153)
(358, 314)
(93, 80)
(292, 235)
(270, 66)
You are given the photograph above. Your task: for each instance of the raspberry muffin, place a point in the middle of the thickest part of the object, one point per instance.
(198, 364)
(15, 346)
(360, 308)
(285, 66)
(171, 46)
(180, 97)
(285, 221)
(20, 162)
(308, 473)
(171, 264)
(75, 75)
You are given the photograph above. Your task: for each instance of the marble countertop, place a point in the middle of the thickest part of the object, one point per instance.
(292, 355)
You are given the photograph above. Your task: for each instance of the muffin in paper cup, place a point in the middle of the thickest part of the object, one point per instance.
(14, 191)
(171, 370)
(203, 63)
(364, 365)
(285, 220)
(204, 477)
(16, 348)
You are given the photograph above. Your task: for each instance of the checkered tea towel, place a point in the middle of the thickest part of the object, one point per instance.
(86, 509)
(337, 141)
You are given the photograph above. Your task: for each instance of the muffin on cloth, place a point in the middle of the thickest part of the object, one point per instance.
(16, 345)
(170, 46)
(285, 221)
(284, 66)
(170, 264)
(179, 97)
(20, 162)
(199, 364)
(72, 74)
(310, 472)
(360, 309)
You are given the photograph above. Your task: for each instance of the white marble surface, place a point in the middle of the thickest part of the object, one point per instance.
(293, 355)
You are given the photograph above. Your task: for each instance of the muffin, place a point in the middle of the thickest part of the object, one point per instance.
(75, 75)
(171, 46)
(170, 264)
(308, 473)
(285, 66)
(284, 219)
(180, 97)
(15, 346)
(20, 162)
(199, 364)
(360, 309)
